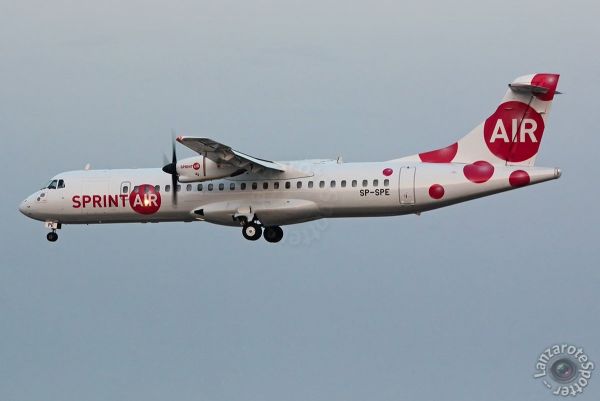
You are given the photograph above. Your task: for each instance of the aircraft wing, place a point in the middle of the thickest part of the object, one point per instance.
(223, 154)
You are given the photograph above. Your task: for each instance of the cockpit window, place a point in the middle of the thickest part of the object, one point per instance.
(52, 184)
(61, 184)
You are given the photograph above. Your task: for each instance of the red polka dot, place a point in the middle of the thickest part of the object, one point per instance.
(436, 191)
(387, 172)
(444, 155)
(548, 81)
(478, 172)
(519, 178)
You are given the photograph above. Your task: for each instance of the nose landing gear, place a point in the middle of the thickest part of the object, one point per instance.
(52, 236)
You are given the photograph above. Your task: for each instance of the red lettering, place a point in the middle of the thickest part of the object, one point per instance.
(113, 200)
(100, 201)
(76, 201)
(96, 201)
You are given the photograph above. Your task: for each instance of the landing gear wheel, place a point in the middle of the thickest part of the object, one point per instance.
(252, 231)
(273, 234)
(52, 236)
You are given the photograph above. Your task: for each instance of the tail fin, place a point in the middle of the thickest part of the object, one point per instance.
(512, 134)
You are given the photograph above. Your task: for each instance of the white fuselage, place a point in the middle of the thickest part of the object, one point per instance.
(224, 186)
(311, 190)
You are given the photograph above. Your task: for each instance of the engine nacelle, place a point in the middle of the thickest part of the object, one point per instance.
(199, 168)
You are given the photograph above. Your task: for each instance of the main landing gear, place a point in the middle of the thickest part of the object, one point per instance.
(252, 231)
(52, 236)
(273, 234)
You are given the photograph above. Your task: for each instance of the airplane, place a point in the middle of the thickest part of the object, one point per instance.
(224, 186)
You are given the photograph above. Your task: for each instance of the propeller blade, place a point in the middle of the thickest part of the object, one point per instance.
(174, 183)
(174, 157)
(174, 175)
(171, 168)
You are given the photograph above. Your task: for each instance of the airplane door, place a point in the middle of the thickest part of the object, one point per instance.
(407, 185)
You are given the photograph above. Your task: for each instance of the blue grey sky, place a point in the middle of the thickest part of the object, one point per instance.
(455, 304)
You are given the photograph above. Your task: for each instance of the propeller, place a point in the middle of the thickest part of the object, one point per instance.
(171, 168)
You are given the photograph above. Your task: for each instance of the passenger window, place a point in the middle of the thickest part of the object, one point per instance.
(188, 187)
(353, 183)
(243, 186)
(375, 183)
(254, 185)
(386, 183)
(52, 185)
(276, 185)
(221, 186)
(265, 185)
(210, 187)
(343, 183)
(199, 187)
(126, 189)
(232, 186)
(178, 188)
(287, 185)
(299, 184)
(61, 184)
(321, 184)
(167, 188)
(332, 184)
(310, 184)
(157, 188)
(365, 183)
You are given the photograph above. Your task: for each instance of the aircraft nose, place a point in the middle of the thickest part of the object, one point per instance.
(25, 206)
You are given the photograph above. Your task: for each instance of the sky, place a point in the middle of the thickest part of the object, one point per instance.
(454, 304)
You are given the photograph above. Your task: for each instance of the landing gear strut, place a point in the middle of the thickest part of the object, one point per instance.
(251, 231)
(273, 234)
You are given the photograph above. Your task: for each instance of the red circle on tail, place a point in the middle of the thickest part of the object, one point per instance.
(548, 81)
(514, 132)
(478, 172)
(444, 155)
(519, 178)
(436, 191)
